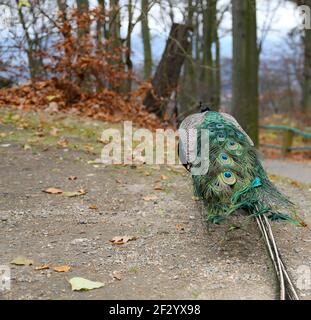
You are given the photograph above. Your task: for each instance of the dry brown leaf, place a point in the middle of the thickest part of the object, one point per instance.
(63, 142)
(158, 186)
(64, 268)
(150, 198)
(117, 275)
(39, 134)
(119, 181)
(54, 131)
(88, 148)
(93, 206)
(180, 227)
(164, 177)
(16, 117)
(43, 267)
(122, 240)
(53, 191)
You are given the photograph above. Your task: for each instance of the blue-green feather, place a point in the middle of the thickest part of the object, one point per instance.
(235, 179)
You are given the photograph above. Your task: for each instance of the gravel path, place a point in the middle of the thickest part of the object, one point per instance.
(175, 255)
(300, 171)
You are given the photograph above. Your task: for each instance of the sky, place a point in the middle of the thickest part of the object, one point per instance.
(281, 15)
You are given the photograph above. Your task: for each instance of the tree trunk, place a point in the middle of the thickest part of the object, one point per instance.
(306, 100)
(217, 69)
(83, 26)
(166, 78)
(208, 71)
(128, 60)
(62, 7)
(187, 95)
(145, 31)
(245, 66)
(33, 63)
(115, 23)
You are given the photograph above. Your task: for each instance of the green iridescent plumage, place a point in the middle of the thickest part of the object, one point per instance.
(235, 178)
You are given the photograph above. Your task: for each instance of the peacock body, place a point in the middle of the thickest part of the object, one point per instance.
(234, 177)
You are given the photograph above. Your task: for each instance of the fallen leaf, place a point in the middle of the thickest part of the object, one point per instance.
(22, 261)
(42, 267)
(93, 206)
(117, 275)
(71, 194)
(146, 173)
(64, 268)
(27, 147)
(53, 191)
(16, 117)
(180, 227)
(119, 181)
(164, 177)
(63, 142)
(72, 178)
(54, 131)
(88, 148)
(195, 198)
(78, 284)
(96, 161)
(150, 198)
(50, 98)
(158, 186)
(39, 134)
(122, 240)
(294, 183)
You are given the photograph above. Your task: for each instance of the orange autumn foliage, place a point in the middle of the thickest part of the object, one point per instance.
(87, 75)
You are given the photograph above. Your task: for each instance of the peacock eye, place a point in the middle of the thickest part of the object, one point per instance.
(228, 174)
(219, 126)
(225, 160)
(221, 137)
(232, 145)
(228, 178)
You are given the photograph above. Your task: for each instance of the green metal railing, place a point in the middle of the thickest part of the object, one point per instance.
(287, 138)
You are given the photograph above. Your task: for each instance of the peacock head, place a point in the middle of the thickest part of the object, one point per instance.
(203, 107)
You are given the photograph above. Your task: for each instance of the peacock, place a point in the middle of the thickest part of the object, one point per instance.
(228, 177)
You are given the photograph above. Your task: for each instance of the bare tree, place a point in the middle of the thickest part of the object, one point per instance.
(245, 66)
(146, 39)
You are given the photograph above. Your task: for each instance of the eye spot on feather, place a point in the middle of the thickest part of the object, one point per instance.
(228, 178)
(232, 145)
(219, 126)
(227, 174)
(225, 160)
(221, 136)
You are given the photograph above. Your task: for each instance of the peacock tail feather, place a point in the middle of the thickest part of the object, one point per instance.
(235, 178)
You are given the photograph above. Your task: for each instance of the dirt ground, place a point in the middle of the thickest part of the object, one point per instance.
(175, 255)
